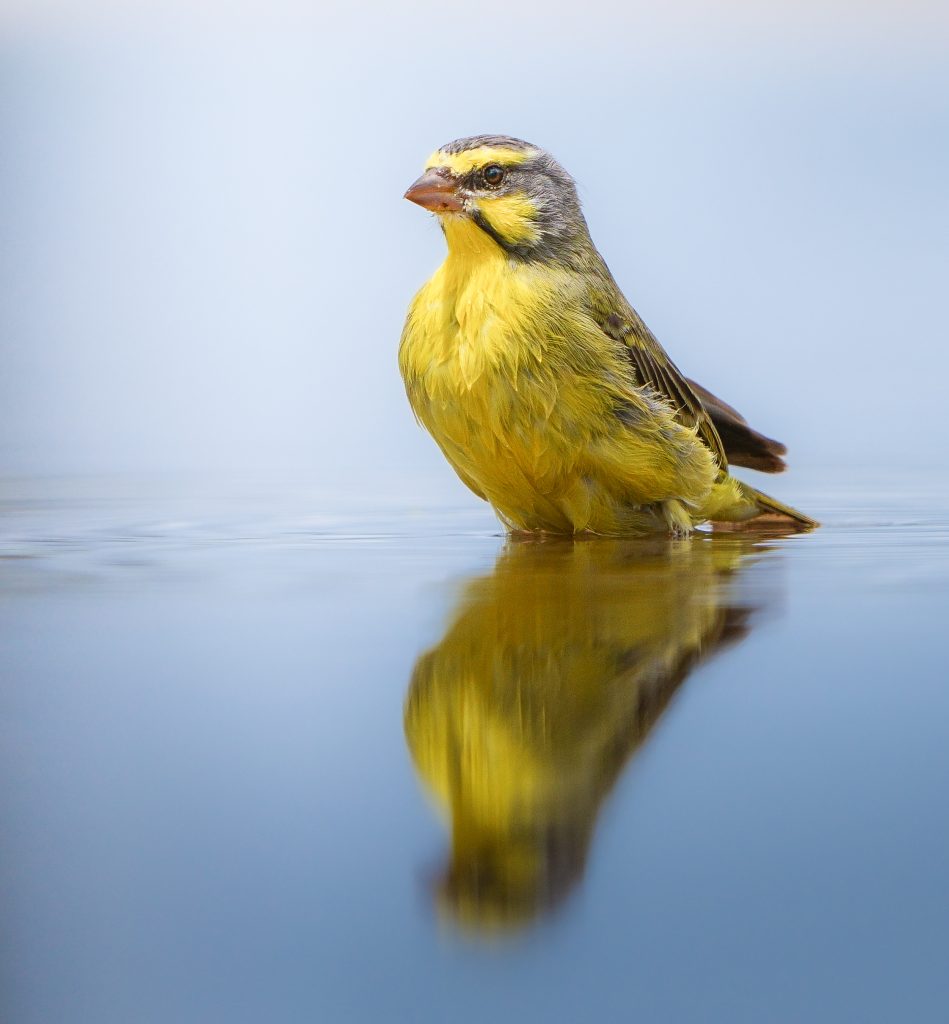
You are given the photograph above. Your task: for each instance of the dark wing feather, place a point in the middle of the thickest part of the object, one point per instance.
(743, 445)
(654, 369)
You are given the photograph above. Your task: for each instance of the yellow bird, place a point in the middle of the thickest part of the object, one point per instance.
(545, 390)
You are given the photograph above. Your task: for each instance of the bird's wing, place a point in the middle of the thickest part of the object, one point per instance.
(654, 369)
(743, 445)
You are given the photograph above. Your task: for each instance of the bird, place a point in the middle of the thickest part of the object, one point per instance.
(543, 387)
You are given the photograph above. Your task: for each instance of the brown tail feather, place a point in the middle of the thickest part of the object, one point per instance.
(743, 445)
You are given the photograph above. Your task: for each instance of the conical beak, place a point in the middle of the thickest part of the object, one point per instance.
(435, 190)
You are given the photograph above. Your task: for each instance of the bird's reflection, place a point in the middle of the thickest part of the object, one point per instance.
(553, 672)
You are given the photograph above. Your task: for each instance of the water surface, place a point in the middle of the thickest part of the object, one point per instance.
(266, 758)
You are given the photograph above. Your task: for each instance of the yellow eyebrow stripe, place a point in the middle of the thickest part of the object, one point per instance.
(462, 163)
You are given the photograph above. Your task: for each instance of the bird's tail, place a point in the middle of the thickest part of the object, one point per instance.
(768, 506)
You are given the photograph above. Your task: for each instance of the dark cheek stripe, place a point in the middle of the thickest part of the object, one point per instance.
(479, 218)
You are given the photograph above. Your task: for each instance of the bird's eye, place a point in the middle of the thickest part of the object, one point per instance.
(493, 175)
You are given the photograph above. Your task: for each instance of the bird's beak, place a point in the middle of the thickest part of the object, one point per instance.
(436, 191)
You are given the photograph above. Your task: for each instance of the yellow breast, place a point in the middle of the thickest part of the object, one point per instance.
(480, 360)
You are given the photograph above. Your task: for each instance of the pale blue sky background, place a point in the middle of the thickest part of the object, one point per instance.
(206, 256)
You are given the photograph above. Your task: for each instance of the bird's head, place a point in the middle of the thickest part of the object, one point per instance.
(494, 192)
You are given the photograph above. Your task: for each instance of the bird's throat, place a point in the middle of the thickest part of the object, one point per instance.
(467, 241)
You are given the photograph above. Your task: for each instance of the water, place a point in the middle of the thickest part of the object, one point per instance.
(268, 759)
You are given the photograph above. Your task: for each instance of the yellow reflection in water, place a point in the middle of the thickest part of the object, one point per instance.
(555, 669)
